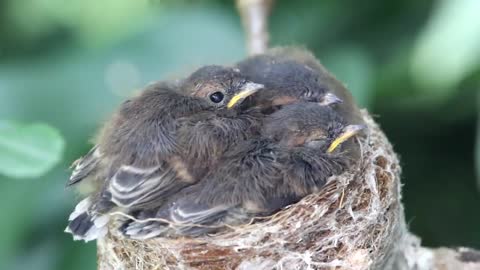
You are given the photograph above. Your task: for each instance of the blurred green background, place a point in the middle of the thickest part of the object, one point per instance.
(65, 65)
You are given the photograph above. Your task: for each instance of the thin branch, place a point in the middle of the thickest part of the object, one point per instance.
(254, 14)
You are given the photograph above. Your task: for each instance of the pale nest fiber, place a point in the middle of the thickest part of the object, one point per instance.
(355, 222)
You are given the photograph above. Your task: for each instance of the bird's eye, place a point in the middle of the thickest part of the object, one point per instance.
(216, 97)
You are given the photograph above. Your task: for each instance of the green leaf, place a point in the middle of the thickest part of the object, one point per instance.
(28, 150)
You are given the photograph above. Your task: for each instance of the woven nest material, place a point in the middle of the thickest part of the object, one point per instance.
(354, 222)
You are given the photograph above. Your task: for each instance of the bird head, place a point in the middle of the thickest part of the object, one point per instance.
(221, 87)
(309, 125)
(286, 81)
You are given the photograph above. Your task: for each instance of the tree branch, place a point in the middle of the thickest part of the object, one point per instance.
(254, 14)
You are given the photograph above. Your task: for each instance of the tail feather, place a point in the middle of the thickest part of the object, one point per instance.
(85, 226)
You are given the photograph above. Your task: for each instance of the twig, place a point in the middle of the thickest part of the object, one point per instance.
(254, 14)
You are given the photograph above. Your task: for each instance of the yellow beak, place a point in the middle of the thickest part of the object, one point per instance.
(248, 89)
(348, 132)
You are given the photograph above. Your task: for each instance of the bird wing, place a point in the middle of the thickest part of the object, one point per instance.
(239, 189)
(85, 166)
(146, 187)
(130, 186)
(182, 215)
(307, 170)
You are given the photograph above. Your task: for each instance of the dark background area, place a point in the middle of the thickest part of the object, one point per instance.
(414, 64)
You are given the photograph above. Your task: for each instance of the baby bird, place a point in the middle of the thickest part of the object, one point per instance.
(142, 155)
(300, 147)
(293, 74)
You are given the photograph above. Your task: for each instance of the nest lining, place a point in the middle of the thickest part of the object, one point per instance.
(354, 222)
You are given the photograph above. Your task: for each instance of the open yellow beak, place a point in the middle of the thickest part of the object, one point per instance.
(248, 89)
(348, 132)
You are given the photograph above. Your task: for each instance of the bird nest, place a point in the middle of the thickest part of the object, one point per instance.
(354, 222)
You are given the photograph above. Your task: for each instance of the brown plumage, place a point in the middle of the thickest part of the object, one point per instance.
(293, 74)
(300, 147)
(155, 145)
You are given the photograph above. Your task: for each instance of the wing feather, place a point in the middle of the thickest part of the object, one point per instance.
(85, 166)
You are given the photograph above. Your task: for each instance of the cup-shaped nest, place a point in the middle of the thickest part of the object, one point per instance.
(354, 222)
